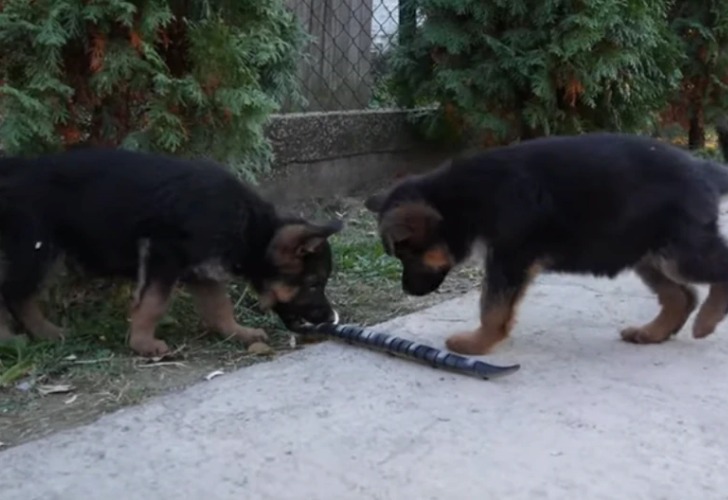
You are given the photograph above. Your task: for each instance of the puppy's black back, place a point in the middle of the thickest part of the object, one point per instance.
(98, 204)
(591, 203)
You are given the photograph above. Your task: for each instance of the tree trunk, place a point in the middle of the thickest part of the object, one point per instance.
(696, 133)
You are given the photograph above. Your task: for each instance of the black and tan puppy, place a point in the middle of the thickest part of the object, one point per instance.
(160, 221)
(594, 204)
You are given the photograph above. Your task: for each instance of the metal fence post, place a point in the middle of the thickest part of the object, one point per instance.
(407, 30)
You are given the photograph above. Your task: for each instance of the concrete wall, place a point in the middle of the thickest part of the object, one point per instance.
(319, 155)
(344, 153)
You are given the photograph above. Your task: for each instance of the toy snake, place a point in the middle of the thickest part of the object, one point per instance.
(414, 351)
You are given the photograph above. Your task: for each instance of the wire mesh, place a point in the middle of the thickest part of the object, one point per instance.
(345, 67)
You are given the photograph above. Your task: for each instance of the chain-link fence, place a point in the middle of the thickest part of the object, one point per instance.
(346, 63)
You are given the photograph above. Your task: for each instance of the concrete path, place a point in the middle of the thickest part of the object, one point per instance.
(587, 417)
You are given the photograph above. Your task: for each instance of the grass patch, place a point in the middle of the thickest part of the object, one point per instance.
(365, 282)
(104, 374)
(96, 327)
(365, 260)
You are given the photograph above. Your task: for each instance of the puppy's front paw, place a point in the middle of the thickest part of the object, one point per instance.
(48, 331)
(474, 343)
(643, 335)
(149, 347)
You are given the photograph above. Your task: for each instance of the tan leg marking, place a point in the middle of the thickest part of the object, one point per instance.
(32, 318)
(497, 319)
(276, 292)
(677, 302)
(283, 293)
(216, 310)
(712, 311)
(145, 316)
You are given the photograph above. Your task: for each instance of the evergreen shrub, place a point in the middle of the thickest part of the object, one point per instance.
(189, 77)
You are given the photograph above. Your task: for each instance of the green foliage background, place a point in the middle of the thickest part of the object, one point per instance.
(191, 77)
(703, 94)
(515, 69)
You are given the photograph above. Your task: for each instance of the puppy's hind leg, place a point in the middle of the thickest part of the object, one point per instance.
(706, 261)
(27, 262)
(677, 302)
(146, 314)
(712, 310)
(155, 281)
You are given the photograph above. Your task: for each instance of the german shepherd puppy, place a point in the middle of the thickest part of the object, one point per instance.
(594, 204)
(160, 221)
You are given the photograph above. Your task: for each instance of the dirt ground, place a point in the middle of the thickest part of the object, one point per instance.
(48, 387)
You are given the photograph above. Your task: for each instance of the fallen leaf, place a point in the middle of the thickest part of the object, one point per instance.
(260, 349)
(54, 389)
(71, 399)
(70, 357)
(214, 374)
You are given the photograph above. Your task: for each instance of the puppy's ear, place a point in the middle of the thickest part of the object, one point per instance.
(294, 241)
(375, 202)
(414, 222)
(317, 235)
